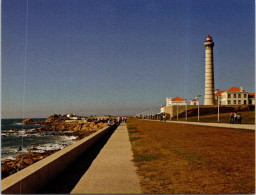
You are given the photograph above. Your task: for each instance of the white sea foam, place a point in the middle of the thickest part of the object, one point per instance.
(30, 130)
(47, 147)
(69, 137)
(8, 157)
(19, 124)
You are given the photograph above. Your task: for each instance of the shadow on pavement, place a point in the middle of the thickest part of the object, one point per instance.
(67, 179)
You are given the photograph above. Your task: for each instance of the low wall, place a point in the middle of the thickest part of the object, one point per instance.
(223, 109)
(34, 177)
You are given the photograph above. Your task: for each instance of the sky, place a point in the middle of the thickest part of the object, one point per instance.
(93, 57)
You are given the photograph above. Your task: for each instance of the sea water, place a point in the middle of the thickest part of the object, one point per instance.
(12, 140)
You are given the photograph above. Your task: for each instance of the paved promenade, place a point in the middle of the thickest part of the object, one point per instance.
(113, 170)
(225, 125)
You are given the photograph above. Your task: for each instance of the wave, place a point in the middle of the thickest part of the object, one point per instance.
(15, 123)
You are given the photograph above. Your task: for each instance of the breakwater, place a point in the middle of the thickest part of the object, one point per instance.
(34, 177)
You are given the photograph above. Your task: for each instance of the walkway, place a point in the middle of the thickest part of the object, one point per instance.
(225, 125)
(113, 170)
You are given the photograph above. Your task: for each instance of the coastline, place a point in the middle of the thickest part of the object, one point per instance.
(54, 126)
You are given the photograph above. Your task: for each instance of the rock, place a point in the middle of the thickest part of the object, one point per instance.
(56, 118)
(28, 121)
(9, 167)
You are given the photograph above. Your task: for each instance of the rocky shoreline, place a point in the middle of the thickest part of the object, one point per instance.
(54, 123)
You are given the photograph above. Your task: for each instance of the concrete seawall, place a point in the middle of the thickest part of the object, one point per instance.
(32, 178)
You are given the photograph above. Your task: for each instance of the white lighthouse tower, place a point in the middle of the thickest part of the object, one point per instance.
(209, 72)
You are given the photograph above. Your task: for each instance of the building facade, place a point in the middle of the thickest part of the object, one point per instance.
(193, 102)
(234, 96)
(176, 101)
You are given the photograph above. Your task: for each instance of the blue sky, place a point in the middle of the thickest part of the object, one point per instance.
(119, 57)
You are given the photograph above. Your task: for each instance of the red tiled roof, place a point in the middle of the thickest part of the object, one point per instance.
(233, 89)
(194, 100)
(251, 94)
(219, 93)
(178, 99)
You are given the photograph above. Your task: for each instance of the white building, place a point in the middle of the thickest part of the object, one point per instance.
(72, 116)
(176, 101)
(234, 96)
(251, 97)
(193, 102)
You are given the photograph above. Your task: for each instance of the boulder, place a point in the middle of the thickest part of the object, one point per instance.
(28, 121)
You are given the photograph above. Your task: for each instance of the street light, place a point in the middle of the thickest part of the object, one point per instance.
(177, 112)
(186, 110)
(217, 91)
(197, 97)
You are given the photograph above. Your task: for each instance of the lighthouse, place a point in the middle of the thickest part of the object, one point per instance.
(209, 72)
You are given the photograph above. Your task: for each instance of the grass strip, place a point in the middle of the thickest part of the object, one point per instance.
(181, 158)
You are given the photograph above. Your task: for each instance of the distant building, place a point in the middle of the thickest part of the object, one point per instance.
(218, 95)
(234, 96)
(176, 101)
(168, 101)
(72, 116)
(251, 97)
(193, 102)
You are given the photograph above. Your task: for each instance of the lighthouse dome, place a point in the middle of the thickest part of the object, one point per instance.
(209, 38)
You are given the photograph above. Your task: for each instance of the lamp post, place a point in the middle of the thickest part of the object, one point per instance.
(197, 97)
(177, 112)
(216, 91)
(186, 116)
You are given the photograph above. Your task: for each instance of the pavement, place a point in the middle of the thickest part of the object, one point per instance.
(113, 170)
(225, 125)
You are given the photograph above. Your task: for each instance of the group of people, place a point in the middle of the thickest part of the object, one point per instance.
(117, 120)
(235, 118)
(162, 118)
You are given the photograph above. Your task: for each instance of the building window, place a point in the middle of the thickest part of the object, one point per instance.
(229, 96)
(244, 102)
(239, 101)
(239, 95)
(244, 95)
(229, 102)
(234, 101)
(234, 95)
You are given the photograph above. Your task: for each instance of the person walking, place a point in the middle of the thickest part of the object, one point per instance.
(164, 118)
(235, 118)
(239, 118)
(231, 118)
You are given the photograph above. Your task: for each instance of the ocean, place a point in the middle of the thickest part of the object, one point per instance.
(15, 135)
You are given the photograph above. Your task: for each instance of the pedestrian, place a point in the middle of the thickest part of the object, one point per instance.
(161, 118)
(164, 118)
(239, 118)
(125, 119)
(235, 118)
(231, 118)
